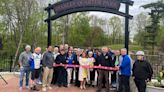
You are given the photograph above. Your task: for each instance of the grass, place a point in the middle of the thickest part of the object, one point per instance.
(131, 47)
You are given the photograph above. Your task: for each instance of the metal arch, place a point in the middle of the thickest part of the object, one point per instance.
(89, 9)
(129, 2)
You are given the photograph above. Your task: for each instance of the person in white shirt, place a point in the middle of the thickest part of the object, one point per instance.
(55, 72)
(35, 67)
(91, 71)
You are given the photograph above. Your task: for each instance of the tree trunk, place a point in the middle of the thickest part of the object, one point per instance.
(17, 51)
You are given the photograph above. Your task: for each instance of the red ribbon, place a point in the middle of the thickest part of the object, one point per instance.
(87, 66)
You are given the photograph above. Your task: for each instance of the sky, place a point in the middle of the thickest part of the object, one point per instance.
(133, 10)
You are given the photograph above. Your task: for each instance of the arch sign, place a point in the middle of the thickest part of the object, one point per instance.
(65, 7)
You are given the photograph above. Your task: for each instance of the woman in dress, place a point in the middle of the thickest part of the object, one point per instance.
(83, 72)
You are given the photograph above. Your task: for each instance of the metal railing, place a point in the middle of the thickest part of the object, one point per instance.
(6, 62)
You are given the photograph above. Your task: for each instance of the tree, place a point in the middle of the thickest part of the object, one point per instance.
(23, 20)
(140, 22)
(116, 26)
(79, 30)
(157, 11)
(97, 37)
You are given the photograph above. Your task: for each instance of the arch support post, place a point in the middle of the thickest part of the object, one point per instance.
(49, 26)
(127, 28)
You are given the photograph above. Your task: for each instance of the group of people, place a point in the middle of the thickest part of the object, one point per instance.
(43, 68)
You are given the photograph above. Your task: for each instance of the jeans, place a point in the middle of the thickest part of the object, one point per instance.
(24, 71)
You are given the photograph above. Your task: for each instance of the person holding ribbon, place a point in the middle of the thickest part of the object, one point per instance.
(124, 71)
(83, 71)
(105, 60)
(70, 61)
(62, 77)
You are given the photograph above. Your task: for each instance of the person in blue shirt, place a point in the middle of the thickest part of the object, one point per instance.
(125, 72)
(70, 61)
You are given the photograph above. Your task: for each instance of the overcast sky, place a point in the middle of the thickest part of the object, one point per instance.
(134, 10)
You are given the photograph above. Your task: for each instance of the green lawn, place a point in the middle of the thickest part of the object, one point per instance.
(131, 47)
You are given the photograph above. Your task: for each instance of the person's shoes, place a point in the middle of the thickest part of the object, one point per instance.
(98, 90)
(27, 87)
(69, 85)
(44, 89)
(81, 87)
(65, 86)
(84, 87)
(49, 88)
(59, 85)
(20, 88)
(107, 90)
(39, 82)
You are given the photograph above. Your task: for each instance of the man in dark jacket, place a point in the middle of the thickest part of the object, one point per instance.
(142, 72)
(104, 60)
(62, 77)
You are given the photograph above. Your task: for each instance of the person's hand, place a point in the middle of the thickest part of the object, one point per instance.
(99, 64)
(117, 67)
(61, 64)
(133, 77)
(21, 67)
(67, 61)
(147, 80)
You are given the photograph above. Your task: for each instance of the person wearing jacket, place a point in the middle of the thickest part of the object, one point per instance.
(35, 64)
(124, 72)
(55, 73)
(47, 63)
(62, 73)
(142, 72)
(105, 60)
